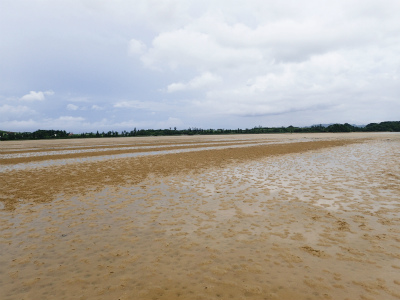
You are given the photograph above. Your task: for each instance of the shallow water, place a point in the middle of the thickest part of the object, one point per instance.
(98, 148)
(316, 225)
(68, 161)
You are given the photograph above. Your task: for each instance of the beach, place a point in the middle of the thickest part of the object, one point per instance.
(285, 216)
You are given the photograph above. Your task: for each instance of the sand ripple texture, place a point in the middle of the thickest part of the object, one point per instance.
(315, 218)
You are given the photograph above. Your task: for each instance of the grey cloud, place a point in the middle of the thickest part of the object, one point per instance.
(226, 63)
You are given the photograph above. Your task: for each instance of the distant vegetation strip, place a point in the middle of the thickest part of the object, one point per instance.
(393, 126)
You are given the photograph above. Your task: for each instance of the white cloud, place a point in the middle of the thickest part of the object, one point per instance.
(296, 59)
(212, 58)
(49, 93)
(96, 107)
(33, 96)
(131, 104)
(9, 109)
(72, 107)
(136, 47)
(23, 125)
(211, 43)
(205, 80)
(70, 119)
(170, 122)
(36, 96)
(9, 112)
(145, 105)
(79, 99)
(191, 48)
(153, 123)
(62, 123)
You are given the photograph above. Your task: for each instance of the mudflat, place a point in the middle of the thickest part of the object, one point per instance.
(291, 216)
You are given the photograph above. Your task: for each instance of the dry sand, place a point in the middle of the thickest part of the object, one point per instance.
(310, 216)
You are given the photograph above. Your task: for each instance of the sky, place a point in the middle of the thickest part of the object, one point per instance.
(88, 65)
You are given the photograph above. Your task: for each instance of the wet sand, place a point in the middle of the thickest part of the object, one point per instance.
(312, 216)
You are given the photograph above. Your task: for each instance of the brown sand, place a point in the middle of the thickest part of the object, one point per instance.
(314, 219)
(115, 151)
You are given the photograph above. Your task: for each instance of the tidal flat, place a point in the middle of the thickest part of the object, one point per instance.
(289, 216)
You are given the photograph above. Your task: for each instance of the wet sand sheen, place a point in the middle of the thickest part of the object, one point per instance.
(16, 157)
(27, 185)
(313, 223)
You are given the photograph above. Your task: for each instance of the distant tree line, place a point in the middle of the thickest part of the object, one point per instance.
(37, 135)
(62, 134)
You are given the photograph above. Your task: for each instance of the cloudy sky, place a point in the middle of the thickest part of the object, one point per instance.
(87, 65)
